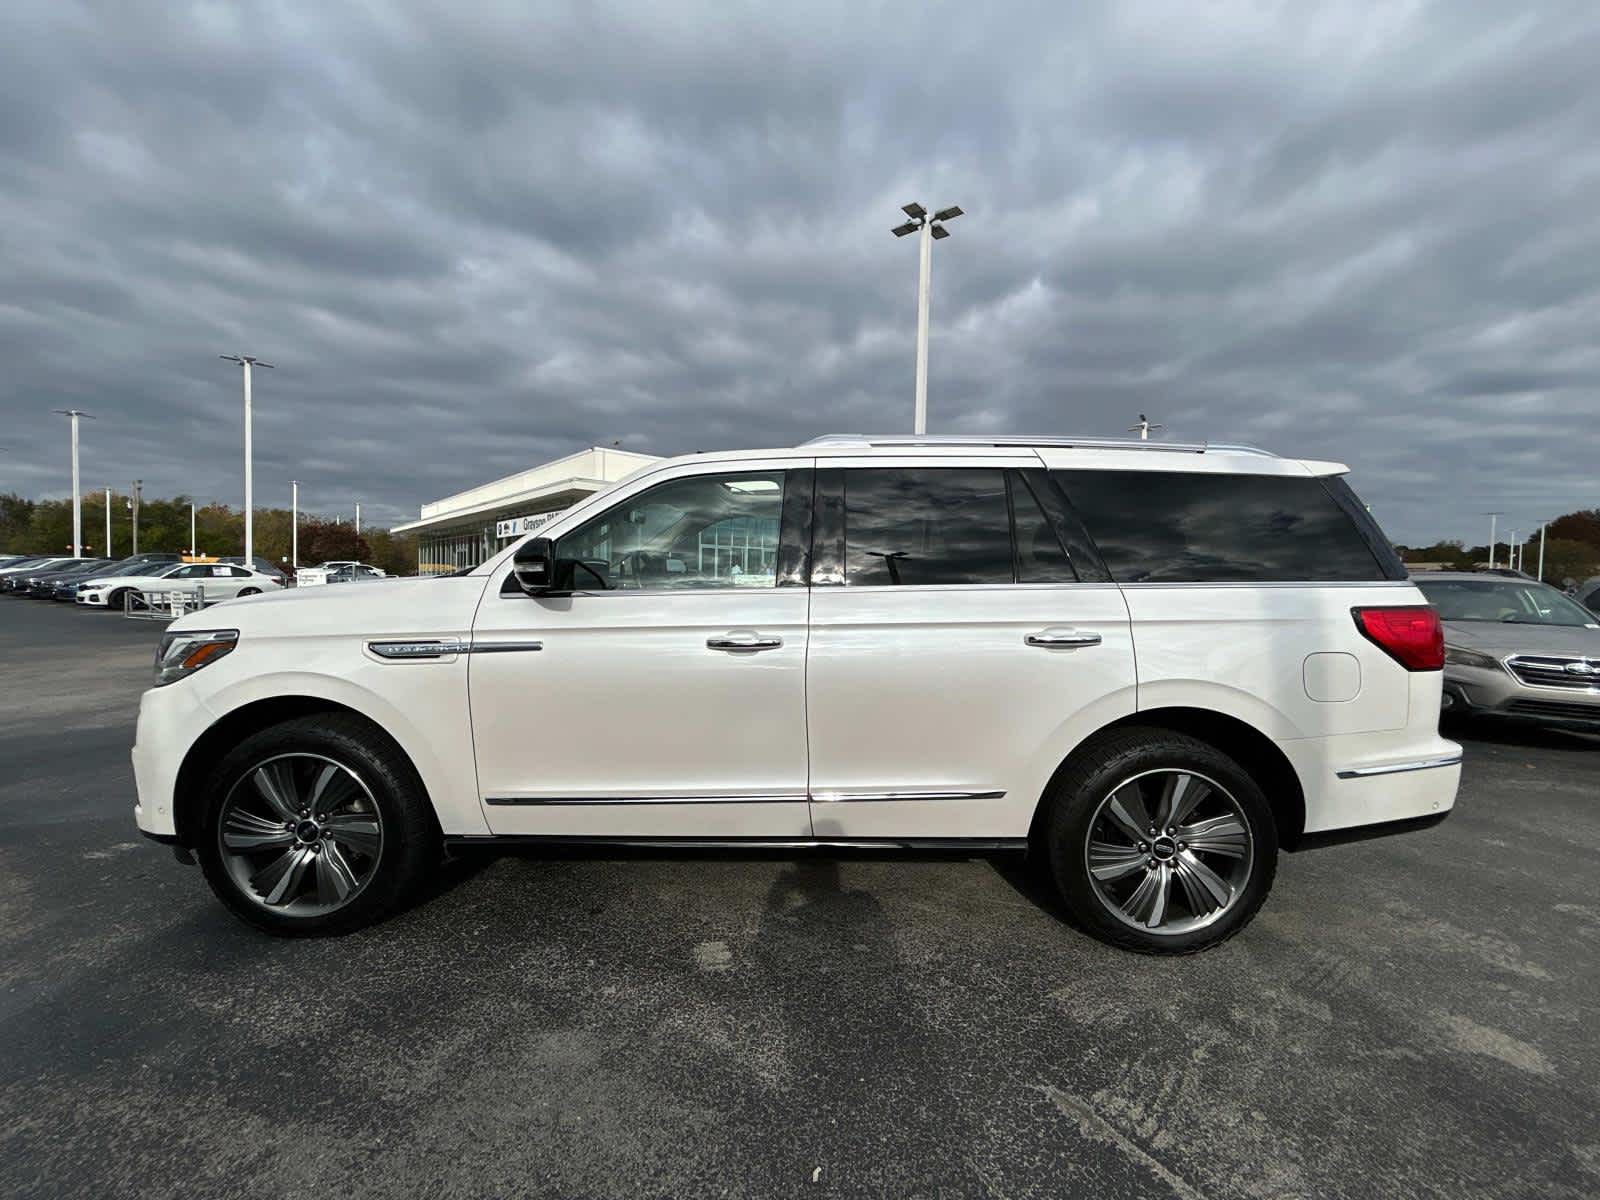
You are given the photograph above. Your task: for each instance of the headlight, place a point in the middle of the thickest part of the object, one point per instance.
(182, 654)
(1455, 656)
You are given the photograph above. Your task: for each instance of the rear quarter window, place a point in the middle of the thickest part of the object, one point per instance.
(1188, 527)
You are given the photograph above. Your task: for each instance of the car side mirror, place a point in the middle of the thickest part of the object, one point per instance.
(534, 566)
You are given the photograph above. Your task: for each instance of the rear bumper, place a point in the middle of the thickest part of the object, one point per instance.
(1360, 780)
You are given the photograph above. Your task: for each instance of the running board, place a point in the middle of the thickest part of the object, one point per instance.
(978, 845)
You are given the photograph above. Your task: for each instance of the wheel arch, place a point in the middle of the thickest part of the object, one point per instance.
(232, 728)
(1253, 750)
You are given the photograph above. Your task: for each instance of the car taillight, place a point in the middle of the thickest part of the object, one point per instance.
(1412, 635)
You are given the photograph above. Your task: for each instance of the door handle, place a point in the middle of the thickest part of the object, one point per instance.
(740, 640)
(1066, 638)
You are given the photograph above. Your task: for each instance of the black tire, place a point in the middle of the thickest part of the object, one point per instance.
(118, 599)
(410, 847)
(249, 592)
(1074, 811)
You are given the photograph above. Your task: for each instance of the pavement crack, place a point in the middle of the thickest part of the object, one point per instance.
(1092, 1124)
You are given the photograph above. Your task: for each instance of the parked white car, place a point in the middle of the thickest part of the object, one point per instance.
(337, 572)
(212, 581)
(1153, 666)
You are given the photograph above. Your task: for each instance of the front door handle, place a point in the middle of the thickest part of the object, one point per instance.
(743, 640)
(1065, 637)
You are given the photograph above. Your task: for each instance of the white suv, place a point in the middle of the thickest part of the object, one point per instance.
(1153, 666)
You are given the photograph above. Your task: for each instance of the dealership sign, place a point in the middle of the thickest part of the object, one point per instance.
(517, 526)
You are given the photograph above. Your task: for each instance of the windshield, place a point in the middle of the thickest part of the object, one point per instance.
(1504, 600)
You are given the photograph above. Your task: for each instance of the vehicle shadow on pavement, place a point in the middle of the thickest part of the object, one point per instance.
(1514, 733)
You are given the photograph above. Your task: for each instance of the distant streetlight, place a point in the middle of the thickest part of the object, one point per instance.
(245, 361)
(1542, 525)
(358, 518)
(294, 524)
(1494, 517)
(133, 507)
(930, 229)
(1144, 427)
(108, 522)
(77, 498)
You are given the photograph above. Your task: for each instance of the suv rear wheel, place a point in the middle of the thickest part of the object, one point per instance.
(1160, 843)
(318, 825)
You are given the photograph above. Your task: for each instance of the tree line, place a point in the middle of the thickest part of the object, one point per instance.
(1571, 550)
(45, 527)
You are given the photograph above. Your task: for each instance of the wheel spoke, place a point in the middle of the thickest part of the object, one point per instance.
(320, 787)
(335, 879)
(1108, 861)
(355, 831)
(1179, 797)
(276, 786)
(1148, 903)
(1127, 812)
(1216, 835)
(1205, 879)
(245, 831)
(279, 881)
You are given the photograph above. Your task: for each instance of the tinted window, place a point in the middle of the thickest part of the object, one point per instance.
(928, 525)
(1040, 556)
(1185, 527)
(708, 531)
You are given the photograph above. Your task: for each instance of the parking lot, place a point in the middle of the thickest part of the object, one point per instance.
(1408, 1017)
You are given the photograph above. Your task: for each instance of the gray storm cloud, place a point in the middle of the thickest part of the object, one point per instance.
(473, 236)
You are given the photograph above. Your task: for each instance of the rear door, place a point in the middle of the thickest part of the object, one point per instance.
(961, 642)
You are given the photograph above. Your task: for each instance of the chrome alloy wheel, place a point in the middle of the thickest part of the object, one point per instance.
(300, 834)
(1169, 851)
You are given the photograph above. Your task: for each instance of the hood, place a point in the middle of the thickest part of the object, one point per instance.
(1500, 638)
(412, 607)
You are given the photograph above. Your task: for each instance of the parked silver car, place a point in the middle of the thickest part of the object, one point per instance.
(1516, 648)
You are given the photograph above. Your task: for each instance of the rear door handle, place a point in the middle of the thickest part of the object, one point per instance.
(743, 640)
(1058, 638)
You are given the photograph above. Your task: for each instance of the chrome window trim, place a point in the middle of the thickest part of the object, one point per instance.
(1420, 764)
(1296, 583)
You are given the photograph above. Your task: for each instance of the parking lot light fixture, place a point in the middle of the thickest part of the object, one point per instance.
(247, 362)
(1493, 518)
(931, 229)
(294, 524)
(77, 496)
(108, 522)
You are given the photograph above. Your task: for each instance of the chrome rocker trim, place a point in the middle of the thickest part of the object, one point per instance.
(776, 797)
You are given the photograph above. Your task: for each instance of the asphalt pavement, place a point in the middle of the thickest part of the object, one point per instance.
(1408, 1017)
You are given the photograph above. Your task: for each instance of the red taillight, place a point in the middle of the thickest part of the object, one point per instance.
(1412, 636)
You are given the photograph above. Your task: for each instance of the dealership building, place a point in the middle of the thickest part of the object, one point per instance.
(473, 526)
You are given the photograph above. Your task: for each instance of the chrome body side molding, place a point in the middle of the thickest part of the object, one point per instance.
(1420, 764)
(422, 649)
(769, 798)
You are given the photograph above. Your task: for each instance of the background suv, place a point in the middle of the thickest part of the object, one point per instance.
(1152, 666)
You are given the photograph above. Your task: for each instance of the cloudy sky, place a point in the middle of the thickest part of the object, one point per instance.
(474, 235)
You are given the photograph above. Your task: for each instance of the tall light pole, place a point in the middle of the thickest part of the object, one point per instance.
(1143, 428)
(77, 497)
(133, 504)
(929, 229)
(1542, 525)
(294, 524)
(1493, 518)
(247, 362)
(192, 552)
(108, 522)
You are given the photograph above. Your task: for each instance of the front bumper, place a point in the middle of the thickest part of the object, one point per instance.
(171, 719)
(1477, 691)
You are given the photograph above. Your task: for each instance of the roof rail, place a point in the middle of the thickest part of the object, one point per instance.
(860, 439)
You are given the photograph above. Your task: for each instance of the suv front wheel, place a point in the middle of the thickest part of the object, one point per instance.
(1160, 843)
(317, 825)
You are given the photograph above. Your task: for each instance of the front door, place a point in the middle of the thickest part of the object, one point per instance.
(664, 698)
(964, 637)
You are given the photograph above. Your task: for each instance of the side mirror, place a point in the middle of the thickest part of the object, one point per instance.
(534, 566)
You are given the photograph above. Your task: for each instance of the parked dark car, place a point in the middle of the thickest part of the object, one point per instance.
(16, 581)
(42, 585)
(134, 564)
